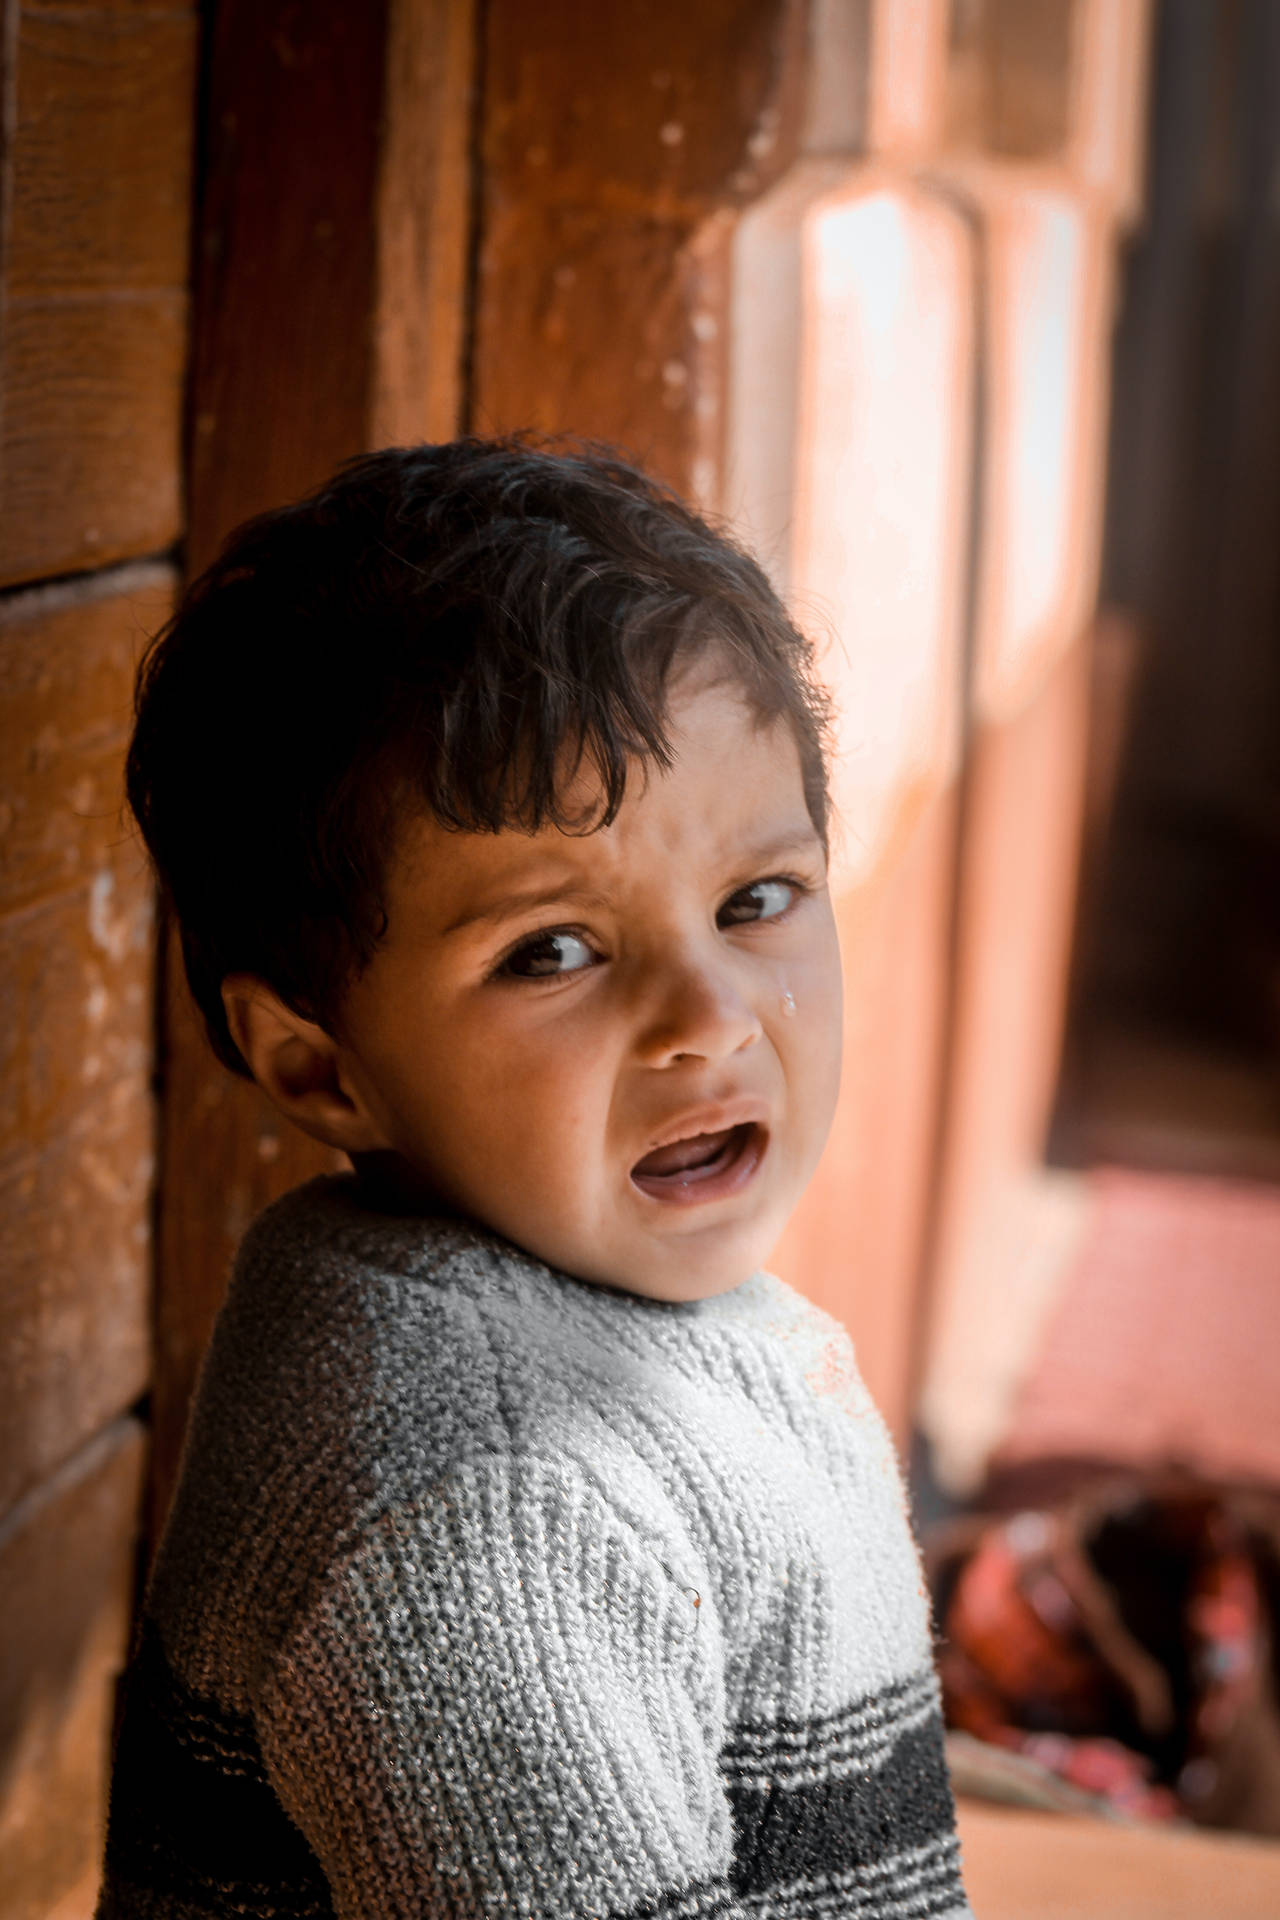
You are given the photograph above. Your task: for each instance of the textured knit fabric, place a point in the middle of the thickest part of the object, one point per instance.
(488, 1592)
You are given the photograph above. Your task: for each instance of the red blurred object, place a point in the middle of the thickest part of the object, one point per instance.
(1123, 1643)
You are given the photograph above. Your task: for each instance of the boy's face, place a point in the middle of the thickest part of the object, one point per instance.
(620, 1050)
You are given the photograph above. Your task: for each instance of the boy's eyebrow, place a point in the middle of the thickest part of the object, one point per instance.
(796, 840)
(764, 852)
(521, 899)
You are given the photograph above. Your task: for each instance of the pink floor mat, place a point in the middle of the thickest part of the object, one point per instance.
(1165, 1343)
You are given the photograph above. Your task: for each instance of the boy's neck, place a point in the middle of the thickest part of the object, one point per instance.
(391, 1185)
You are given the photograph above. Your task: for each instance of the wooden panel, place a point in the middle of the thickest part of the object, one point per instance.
(615, 142)
(75, 1287)
(1112, 61)
(1054, 84)
(67, 657)
(424, 223)
(287, 252)
(332, 245)
(663, 109)
(75, 1000)
(1009, 83)
(66, 1586)
(93, 397)
(96, 263)
(569, 272)
(76, 1021)
(101, 163)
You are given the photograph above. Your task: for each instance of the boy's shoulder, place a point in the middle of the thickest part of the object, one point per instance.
(387, 1320)
(326, 1266)
(333, 1228)
(381, 1318)
(360, 1361)
(329, 1235)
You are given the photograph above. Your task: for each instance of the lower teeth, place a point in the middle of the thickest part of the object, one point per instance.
(715, 1161)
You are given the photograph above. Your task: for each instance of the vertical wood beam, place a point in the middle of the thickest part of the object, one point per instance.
(331, 259)
(332, 245)
(617, 143)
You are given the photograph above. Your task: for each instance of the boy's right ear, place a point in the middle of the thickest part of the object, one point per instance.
(302, 1069)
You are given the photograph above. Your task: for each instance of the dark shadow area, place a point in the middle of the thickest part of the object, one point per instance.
(1174, 1048)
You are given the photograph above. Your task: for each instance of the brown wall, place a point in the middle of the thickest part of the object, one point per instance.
(93, 310)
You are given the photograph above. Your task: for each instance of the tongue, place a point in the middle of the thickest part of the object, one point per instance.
(683, 1154)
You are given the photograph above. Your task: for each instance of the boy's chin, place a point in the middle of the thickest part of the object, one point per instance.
(391, 1184)
(673, 1277)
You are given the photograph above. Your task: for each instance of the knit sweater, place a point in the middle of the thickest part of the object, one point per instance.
(490, 1592)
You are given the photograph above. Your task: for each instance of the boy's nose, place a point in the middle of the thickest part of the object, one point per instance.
(699, 1012)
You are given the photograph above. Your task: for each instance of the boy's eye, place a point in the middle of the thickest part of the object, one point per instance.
(548, 953)
(762, 900)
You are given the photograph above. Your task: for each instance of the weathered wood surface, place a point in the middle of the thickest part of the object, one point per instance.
(75, 1017)
(94, 204)
(95, 269)
(67, 659)
(76, 1022)
(66, 1588)
(617, 142)
(1009, 77)
(331, 249)
(75, 1294)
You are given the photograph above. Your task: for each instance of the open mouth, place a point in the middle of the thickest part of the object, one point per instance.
(706, 1166)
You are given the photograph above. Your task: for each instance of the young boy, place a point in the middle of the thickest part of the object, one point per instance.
(535, 1553)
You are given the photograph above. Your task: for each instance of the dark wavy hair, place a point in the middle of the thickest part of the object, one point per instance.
(449, 628)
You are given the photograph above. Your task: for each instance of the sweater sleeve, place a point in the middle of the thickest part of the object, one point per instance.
(505, 1701)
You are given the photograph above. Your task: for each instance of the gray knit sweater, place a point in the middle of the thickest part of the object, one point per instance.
(488, 1592)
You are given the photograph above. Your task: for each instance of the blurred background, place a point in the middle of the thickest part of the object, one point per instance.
(966, 315)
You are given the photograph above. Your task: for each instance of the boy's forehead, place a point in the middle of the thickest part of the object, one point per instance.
(448, 878)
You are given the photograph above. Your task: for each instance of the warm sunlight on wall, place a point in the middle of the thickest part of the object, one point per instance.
(882, 477)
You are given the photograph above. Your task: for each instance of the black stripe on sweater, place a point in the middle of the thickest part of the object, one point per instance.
(870, 1842)
(193, 1814)
(904, 1887)
(855, 1823)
